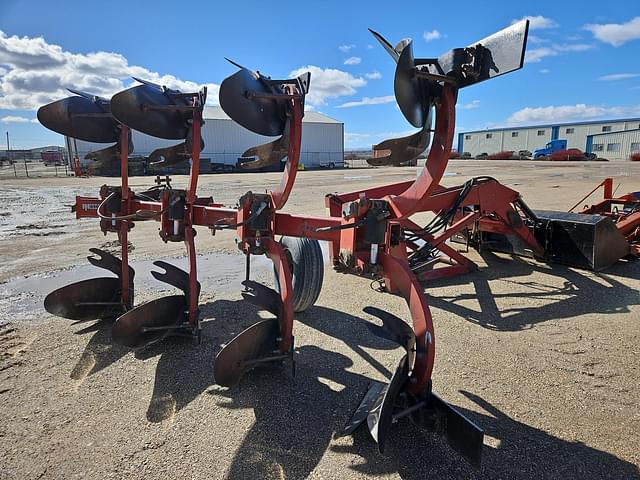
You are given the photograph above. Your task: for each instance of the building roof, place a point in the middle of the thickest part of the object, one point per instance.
(550, 125)
(215, 112)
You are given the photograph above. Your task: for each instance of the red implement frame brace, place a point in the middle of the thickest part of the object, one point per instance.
(623, 210)
(351, 249)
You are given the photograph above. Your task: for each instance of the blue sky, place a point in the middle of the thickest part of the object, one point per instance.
(582, 59)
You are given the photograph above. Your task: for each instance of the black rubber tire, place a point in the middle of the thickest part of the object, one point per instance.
(307, 266)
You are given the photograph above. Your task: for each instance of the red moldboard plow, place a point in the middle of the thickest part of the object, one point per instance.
(370, 232)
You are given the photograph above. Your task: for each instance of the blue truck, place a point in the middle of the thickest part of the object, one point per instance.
(549, 148)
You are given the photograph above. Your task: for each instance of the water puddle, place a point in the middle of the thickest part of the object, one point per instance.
(21, 299)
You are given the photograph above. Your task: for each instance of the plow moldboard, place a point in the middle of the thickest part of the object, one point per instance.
(86, 300)
(257, 341)
(130, 329)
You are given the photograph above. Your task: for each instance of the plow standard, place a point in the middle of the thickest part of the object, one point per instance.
(370, 232)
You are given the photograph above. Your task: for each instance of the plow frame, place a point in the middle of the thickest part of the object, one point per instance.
(350, 251)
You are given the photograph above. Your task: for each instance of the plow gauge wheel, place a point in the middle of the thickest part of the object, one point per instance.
(307, 266)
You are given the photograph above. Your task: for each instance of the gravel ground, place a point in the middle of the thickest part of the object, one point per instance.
(543, 357)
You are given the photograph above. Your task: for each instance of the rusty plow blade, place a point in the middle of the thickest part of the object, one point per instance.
(258, 344)
(95, 298)
(152, 321)
(168, 156)
(110, 154)
(267, 154)
(385, 404)
(399, 151)
(262, 296)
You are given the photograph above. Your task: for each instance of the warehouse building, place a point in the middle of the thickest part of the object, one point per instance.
(614, 145)
(225, 140)
(612, 139)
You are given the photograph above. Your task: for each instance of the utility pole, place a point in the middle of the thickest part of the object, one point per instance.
(9, 156)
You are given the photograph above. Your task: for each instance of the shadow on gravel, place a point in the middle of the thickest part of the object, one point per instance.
(185, 370)
(524, 452)
(354, 332)
(295, 417)
(99, 353)
(582, 292)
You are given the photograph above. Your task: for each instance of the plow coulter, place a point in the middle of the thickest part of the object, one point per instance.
(370, 232)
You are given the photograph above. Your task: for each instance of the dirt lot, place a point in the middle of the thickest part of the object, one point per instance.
(543, 357)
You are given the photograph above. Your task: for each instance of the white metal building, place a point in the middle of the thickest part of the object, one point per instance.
(614, 145)
(530, 138)
(225, 140)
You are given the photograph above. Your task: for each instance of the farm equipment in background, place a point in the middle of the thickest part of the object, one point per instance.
(594, 239)
(370, 232)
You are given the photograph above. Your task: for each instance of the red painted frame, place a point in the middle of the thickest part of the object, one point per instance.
(489, 203)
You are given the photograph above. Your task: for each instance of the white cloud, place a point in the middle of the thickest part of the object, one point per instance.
(329, 83)
(537, 22)
(432, 35)
(616, 34)
(352, 61)
(36, 72)
(561, 113)
(618, 76)
(375, 75)
(368, 101)
(573, 47)
(471, 106)
(346, 48)
(535, 55)
(15, 119)
(536, 39)
(369, 47)
(545, 70)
